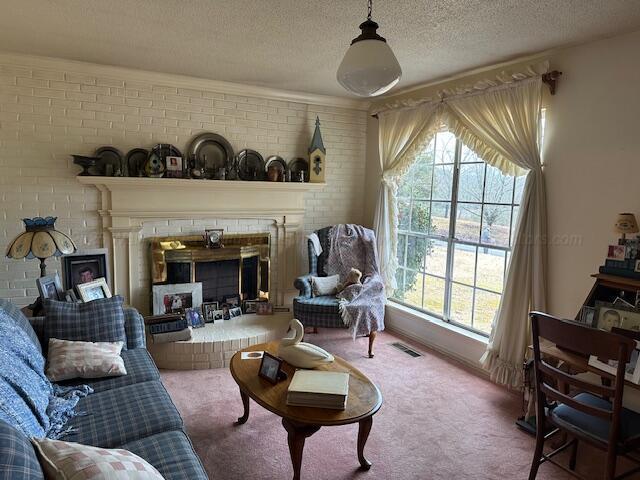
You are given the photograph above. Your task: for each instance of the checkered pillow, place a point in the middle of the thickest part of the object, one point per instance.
(69, 359)
(74, 461)
(96, 321)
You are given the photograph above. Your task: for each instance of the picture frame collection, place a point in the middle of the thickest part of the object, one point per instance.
(84, 277)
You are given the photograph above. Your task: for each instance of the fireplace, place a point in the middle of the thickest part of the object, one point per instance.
(240, 267)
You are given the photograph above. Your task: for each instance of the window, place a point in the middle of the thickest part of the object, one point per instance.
(456, 222)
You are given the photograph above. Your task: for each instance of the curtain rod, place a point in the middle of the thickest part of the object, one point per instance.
(550, 79)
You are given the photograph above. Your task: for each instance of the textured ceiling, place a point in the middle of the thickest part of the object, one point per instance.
(298, 44)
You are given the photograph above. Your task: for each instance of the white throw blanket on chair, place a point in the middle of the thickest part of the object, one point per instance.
(361, 305)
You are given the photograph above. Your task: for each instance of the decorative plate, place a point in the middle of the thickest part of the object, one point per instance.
(156, 164)
(211, 153)
(135, 160)
(277, 163)
(250, 165)
(111, 161)
(297, 165)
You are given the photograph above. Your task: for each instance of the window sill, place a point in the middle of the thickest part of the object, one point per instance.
(451, 340)
(436, 321)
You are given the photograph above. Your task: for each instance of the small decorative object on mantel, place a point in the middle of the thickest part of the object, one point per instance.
(86, 163)
(112, 161)
(213, 237)
(623, 259)
(276, 168)
(298, 170)
(174, 167)
(317, 154)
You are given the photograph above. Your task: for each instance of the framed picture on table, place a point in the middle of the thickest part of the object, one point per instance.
(94, 290)
(50, 287)
(84, 267)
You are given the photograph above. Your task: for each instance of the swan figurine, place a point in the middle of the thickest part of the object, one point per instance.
(301, 354)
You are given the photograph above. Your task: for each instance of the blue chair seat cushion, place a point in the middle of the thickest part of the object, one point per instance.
(115, 417)
(595, 427)
(321, 312)
(18, 459)
(140, 368)
(171, 453)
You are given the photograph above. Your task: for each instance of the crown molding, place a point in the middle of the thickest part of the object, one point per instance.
(180, 81)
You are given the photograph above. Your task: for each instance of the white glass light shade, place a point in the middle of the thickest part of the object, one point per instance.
(369, 68)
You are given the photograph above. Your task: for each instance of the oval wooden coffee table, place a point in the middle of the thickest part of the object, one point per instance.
(301, 422)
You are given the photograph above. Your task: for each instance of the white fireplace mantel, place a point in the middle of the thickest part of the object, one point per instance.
(127, 202)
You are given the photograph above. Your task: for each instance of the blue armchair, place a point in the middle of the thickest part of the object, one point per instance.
(322, 311)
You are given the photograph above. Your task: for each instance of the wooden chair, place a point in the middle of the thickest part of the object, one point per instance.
(591, 413)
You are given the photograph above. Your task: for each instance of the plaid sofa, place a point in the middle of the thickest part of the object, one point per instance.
(133, 412)
(322, 311)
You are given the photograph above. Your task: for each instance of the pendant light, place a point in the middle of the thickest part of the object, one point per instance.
(369, 67)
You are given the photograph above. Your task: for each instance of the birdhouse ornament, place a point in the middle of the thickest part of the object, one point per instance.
(317, 154)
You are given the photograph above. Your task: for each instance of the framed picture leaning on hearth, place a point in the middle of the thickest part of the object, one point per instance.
(176, 297)
(84, 266)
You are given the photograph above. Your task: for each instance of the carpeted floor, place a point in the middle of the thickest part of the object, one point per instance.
(438, 421)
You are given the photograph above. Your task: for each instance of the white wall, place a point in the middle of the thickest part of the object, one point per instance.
(50, 109)
(592, 158)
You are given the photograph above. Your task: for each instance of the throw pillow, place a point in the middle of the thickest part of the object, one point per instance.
(325, 285)
(69, 359)
(74, 461)
(96, 321)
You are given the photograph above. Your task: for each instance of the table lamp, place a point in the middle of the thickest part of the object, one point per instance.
(626, 223)
(40, 240)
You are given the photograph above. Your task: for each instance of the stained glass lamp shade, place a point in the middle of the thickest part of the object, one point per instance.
(40, 240)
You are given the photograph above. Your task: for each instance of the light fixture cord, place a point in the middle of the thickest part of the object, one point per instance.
(369, 9)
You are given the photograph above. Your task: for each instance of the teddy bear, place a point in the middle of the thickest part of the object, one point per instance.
(353, 277)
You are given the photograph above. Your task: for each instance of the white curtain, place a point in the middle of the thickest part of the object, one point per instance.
(401, 132)
(502, 126)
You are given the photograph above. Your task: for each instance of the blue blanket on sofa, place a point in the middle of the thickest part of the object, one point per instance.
(28, 400)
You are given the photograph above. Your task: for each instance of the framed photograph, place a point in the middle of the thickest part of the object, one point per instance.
(637, 269)
(632, 370)
(609, 316)
(218, 315)
(250, 306)
(231, 300)
(70, 296)
(587, 316)
(176, 298)
(84, 267)
(616, 252)
(50, 287)
(213, 237)
(94, 290)
(174, 167)
(235, 312)
(208, 311)
(633, 249)
(194, 317)
(270, 368)
(226, 315)
(264, 308)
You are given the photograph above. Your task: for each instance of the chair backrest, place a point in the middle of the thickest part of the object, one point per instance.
(317, 263)
(584, 341)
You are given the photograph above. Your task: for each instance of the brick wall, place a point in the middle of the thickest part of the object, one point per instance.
(53, 110)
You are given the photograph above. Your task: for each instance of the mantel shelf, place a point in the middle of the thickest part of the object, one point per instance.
(182, 183)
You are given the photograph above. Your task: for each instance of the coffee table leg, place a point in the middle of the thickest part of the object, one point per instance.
(245, 416)
(297, 434)
(363, 435)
